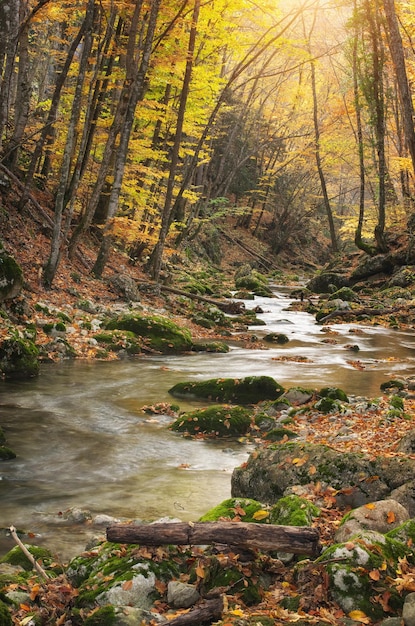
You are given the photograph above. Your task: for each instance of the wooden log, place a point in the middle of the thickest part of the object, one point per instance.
(207, 611)
(266, 537)
(356, 312)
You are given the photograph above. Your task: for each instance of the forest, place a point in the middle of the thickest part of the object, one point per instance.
(151, 122)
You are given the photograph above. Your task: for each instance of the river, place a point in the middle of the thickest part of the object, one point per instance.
(83, 441)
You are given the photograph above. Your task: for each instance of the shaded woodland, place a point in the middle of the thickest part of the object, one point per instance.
(149, 123)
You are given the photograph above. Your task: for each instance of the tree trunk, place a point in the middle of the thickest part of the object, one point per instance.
(266, 537)
(398, 58)
(157, 255)
(53, 261)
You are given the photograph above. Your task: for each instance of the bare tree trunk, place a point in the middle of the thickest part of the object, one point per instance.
(54, 257)
(137, 93)
(157, 254)
(9, 32)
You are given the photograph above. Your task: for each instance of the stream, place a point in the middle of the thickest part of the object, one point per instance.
(82, 440)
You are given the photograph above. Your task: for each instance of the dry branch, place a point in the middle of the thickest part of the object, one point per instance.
(266, 537)
(208, 611)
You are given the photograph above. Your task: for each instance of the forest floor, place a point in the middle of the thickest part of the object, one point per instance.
(28, 241)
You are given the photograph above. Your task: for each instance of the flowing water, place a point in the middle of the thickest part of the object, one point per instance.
(82, 439)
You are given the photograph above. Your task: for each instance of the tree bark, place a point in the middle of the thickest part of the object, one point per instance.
(267, 537)
(207, 611)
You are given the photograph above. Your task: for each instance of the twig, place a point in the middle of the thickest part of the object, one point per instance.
(26, 552)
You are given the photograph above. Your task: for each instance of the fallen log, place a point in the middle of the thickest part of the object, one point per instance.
(207, 611)
(234, 307)
(266, 537)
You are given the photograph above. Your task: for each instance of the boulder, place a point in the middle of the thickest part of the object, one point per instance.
(19, 358)
(11, 276)
(126, 287)
(327, 282)
(381, 516)
(269, 472)
(370, 266)
(159, 333)
(216, 420)
(248, 390)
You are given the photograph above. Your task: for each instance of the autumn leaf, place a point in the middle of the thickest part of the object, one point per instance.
(391, 517)
(370, 505)
(258, 515)
(299, 461)
(34, 591)
(312, 470)
(359, 616)
(127, 585)
(374, 574)
(200, 572)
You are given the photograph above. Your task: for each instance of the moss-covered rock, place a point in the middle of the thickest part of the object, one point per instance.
(327, 405)
(219, 347)
(5, 615)
(19, 358)
(249, 390)
(335, 393)
(6, 454)
(279, 338)
(120, 341)
(237, 509)
(345, 293)
(16, 556)
(11, 276)
(217, 420)
(351, 567)
(104, 616)
(270, 471)
(292, 510)
(280, 434)
(159, 333)
(255, 283)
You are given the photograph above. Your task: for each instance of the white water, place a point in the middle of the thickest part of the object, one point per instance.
(82, 440)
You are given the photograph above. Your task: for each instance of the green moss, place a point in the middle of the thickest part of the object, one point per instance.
(216, 420)
(277, 434)
(254, 283)
(104, 616)
(292, 510)
(279, 338)
(219, 347)
(397, 403)
(335, 393)
(161, 334)
(344, 293)
(5, 615)
(117, 340)
(326, 405)
(392, 384)
(6, 454)
(11, 276)
(17, 557)
(19, 358)
(249, 390)
(243, 508)
(217, 575)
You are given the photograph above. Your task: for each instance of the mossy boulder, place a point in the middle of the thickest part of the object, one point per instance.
(352, 567)
(237, 509)
(159, 333)
(218, 347)
(119, 576)
(5, 615)
(279, 338)
(119, 341)
(216, 420)
(11, 276)
(335, 393)
(16, 556)
(6, 454)
(327, 282)
(292, 510)
(218, 575)
(280, 434)
(270, 471)
(345, 293)
(249, 390)
(255, 283)
(19, 358)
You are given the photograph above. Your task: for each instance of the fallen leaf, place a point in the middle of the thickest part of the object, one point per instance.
(258, 515)
(359, 616)
(374, 574)
(370, 505)
(391, 517)
(127, 585)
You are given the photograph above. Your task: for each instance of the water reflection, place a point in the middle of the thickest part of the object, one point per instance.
(82, 439)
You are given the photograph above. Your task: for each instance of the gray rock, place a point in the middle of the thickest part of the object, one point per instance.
(405, 495)
(131, 616)
(391, 621)
(297, 396)
(126, 287)
(138, 594)
(369, 266)
(181, 595)
(408, 611)
(372, 517)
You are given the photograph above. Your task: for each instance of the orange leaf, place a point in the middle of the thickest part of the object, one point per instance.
(371, 505)
(127, 585)
(391, 517)
(359, 616)
(34, 591)
(312, 470)
(374, 574)
(200, 571)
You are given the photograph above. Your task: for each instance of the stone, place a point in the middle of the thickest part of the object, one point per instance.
(381, 517)
(408, 611)
(181, 595)
(11, 276)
